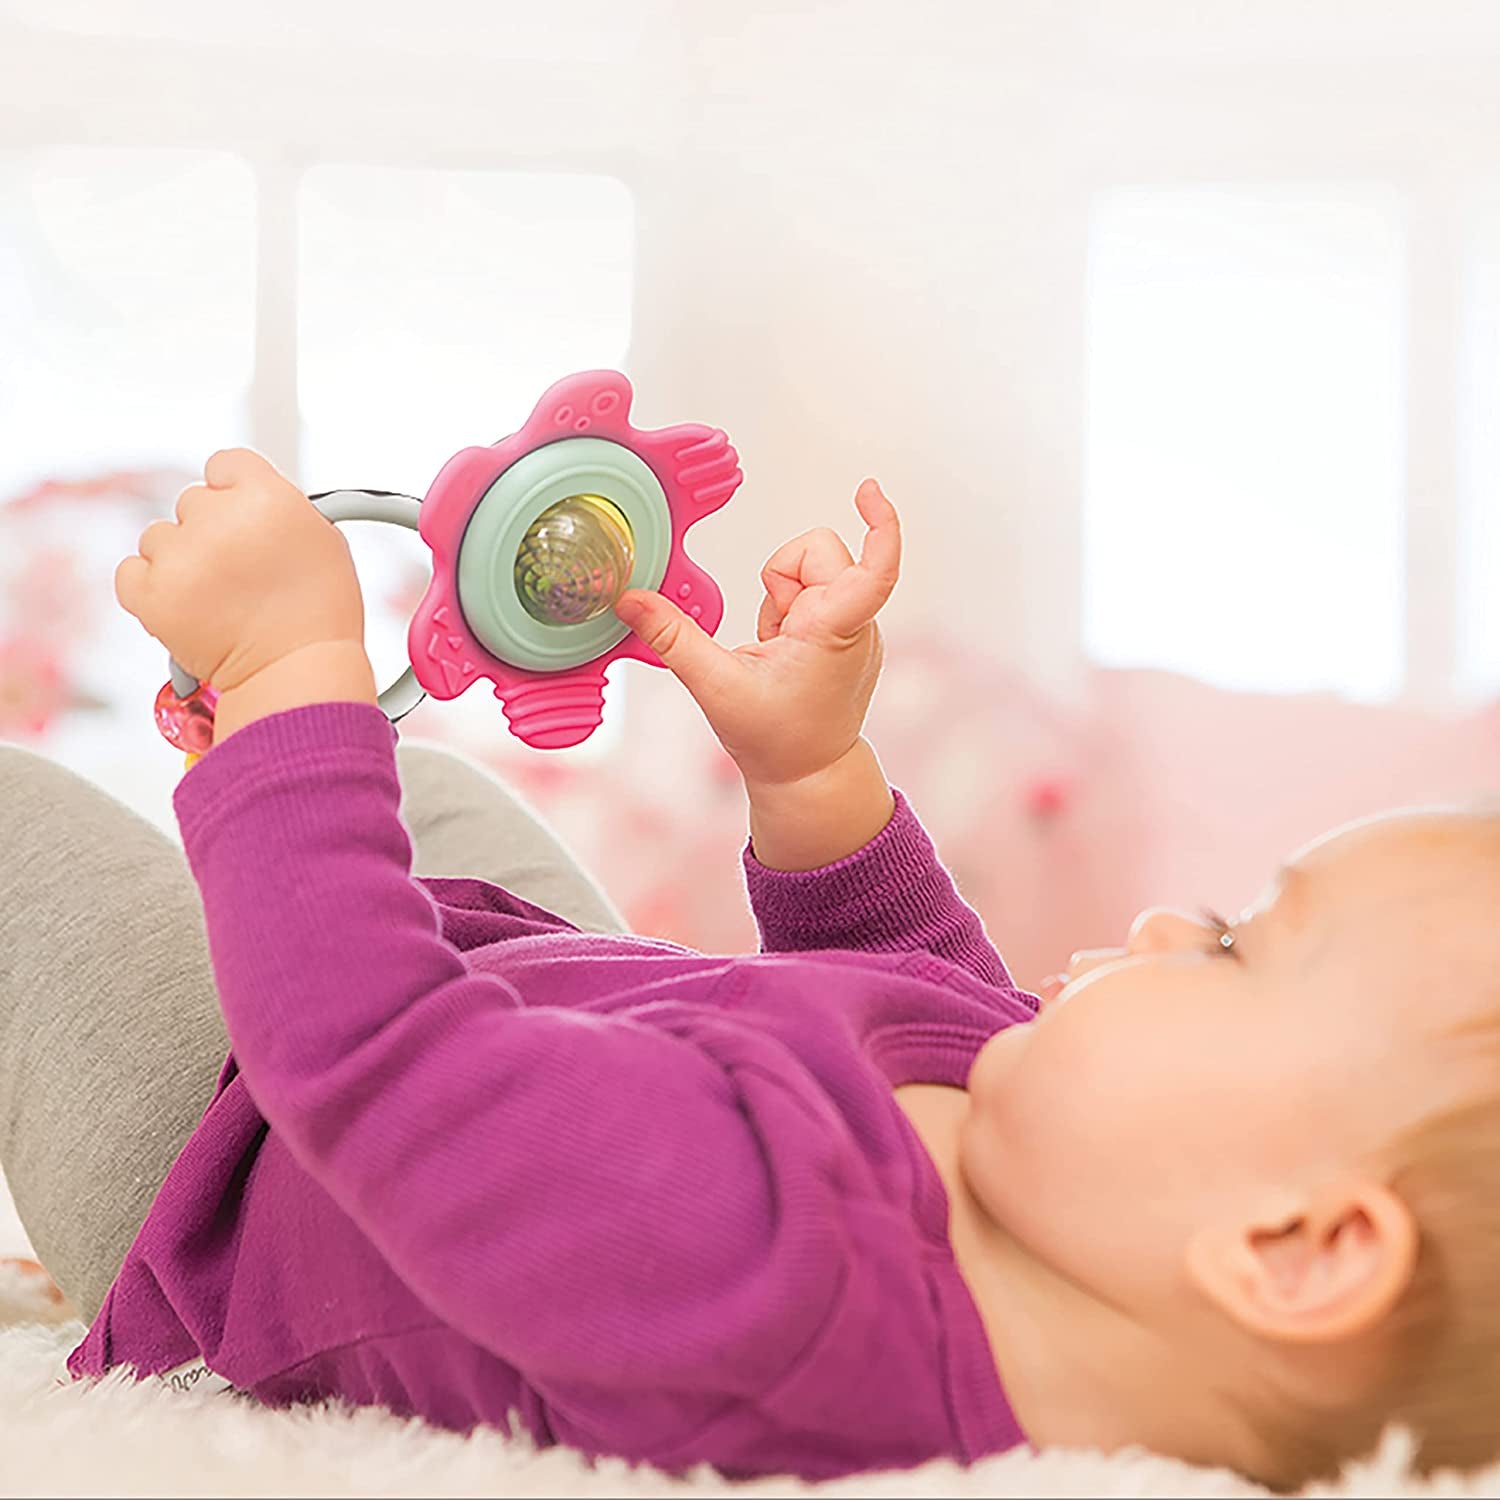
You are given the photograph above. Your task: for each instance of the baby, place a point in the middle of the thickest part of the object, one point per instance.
(854, 1202)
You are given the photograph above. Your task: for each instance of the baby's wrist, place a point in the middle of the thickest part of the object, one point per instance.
(334, 671)
(821, 818)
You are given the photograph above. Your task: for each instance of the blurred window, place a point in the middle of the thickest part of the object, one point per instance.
(127, 338)
(434, 307)
(1479, 457)
(1244, 494)
(127, 309)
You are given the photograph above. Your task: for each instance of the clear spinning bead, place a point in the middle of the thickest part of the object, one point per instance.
(574, 561)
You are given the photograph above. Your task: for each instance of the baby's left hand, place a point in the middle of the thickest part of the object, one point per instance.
(249, 573)
(791, 704)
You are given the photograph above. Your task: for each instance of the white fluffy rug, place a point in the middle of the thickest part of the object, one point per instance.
(117, 1438)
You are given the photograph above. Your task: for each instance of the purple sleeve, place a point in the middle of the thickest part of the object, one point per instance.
(592, 1199)
(892, 896)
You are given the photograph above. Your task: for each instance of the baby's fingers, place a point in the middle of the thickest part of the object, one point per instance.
(685, 648)
(806, 561)
(196, 500)
(856, 596)
(881, 553)
(231, 466)
(768, 621)
(809, 561)
(130, 584)
(156, 537)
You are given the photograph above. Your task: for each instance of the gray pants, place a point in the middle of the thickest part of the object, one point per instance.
(111, 1038)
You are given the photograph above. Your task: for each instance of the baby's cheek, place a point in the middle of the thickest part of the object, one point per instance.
(1021, 1134)
(1021, 1171)
(1053, 1134)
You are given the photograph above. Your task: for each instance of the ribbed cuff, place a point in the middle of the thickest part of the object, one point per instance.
(261, 753)
(886, 886)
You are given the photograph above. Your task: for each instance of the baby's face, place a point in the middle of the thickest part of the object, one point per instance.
(1178, 1083)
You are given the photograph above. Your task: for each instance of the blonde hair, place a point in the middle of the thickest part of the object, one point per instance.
(1442, 1341)
(1449, 1319)
(1440, 1347)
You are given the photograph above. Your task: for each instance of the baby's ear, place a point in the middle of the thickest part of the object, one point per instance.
(1326, 1271)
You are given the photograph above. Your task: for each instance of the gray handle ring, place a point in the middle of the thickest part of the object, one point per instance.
(405, 692)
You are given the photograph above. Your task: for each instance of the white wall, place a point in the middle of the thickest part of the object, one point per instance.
(863, 223)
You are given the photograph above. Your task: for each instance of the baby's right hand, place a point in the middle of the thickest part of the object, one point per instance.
(793, 703)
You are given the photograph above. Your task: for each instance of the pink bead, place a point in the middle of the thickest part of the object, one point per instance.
(187, 723)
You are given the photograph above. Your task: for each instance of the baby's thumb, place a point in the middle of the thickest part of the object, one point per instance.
(685, 648)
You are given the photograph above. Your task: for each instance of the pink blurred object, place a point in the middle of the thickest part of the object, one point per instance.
(34, 689)
(1047, 797)
(135, 486)
(187, 723)
(51, 586)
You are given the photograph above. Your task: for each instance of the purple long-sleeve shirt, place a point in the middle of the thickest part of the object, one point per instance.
(467, 1162)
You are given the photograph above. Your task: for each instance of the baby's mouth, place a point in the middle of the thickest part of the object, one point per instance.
(1082, 962)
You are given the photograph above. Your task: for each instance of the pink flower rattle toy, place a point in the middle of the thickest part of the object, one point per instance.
(533, 541)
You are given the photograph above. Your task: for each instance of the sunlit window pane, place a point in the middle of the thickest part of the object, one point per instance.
(1244, 495)
(127, 308)
(434, 307)
(1479, 465)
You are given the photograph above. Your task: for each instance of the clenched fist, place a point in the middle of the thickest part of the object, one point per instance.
(247, 574)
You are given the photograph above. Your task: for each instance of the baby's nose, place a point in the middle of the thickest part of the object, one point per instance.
(1161, 930)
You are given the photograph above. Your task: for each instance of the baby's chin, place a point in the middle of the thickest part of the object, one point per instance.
(986, 1145)
(994, 1061)
(990, 1078)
